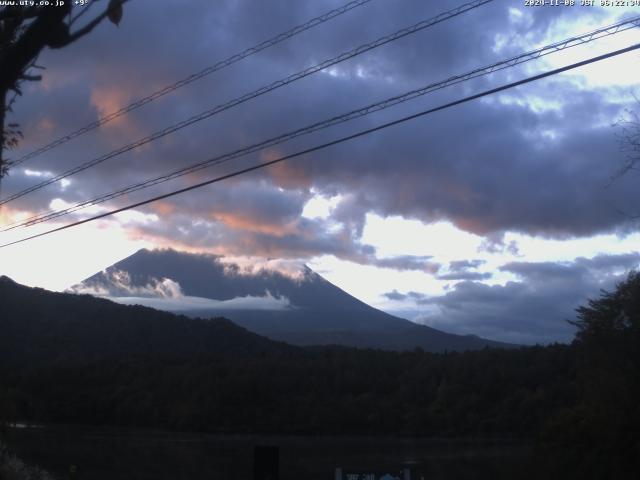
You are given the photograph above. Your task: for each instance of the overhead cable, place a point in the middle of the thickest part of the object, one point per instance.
(251, 95)
(332, 143)
(192, 78)
(354, 114)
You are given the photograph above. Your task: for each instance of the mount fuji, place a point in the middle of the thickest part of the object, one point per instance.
(293, 305)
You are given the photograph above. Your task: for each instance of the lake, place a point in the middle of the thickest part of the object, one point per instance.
(137, 454)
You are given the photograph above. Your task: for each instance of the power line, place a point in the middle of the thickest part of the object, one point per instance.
(389, 102)
(570, 42)
(335, 142)
(192, 78)
(256, 93)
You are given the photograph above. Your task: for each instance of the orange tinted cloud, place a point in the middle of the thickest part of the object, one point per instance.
(45, 125)
(108, 99)
(9, 215)
(477, 226)
(252, 224)
(161, 241)
(286, 174)
(163, 208)
(36, 132)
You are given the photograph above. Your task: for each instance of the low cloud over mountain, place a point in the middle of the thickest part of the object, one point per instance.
(297, 306)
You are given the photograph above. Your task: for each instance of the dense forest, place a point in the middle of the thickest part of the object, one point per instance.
(578, 402)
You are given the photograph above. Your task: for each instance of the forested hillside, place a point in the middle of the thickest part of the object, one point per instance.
(42, 326)
(578, 401)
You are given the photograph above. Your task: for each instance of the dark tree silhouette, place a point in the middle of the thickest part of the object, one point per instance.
(24, 32)
(628, 134)
(615, 316)
(597, 437)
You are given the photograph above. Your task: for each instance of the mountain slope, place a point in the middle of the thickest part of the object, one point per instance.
(37, 325)
(300, 307)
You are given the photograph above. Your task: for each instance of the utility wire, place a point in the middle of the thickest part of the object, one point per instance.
(389, 102)
(256, 93)
(335, 142)
(192, 78)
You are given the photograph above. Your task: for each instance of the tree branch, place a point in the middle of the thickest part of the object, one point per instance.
(24, 33)
(82, 12)
(72, 37)
(31, 78)
(27, 47)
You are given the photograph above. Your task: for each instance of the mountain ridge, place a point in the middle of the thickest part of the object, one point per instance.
(42, 326)
(312, 311)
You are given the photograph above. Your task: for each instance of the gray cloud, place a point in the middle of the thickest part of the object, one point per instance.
(534, 309)
(489, 167)
(485, 166)
(461, 270)
(463, 265)
(407, 262)
(394, 295)
(465, 276)
(417, 297)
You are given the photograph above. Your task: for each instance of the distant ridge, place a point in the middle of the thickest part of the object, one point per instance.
(37, 326)
(300, 308)
(74, 359)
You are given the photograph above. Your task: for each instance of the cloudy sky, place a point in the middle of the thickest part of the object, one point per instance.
(497, 217)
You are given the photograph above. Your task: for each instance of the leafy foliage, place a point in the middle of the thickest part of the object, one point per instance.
(27, 28)
(13, 468)
(599, 435)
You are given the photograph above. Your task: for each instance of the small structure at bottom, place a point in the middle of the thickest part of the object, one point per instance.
(266, 461)
(363, 474)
